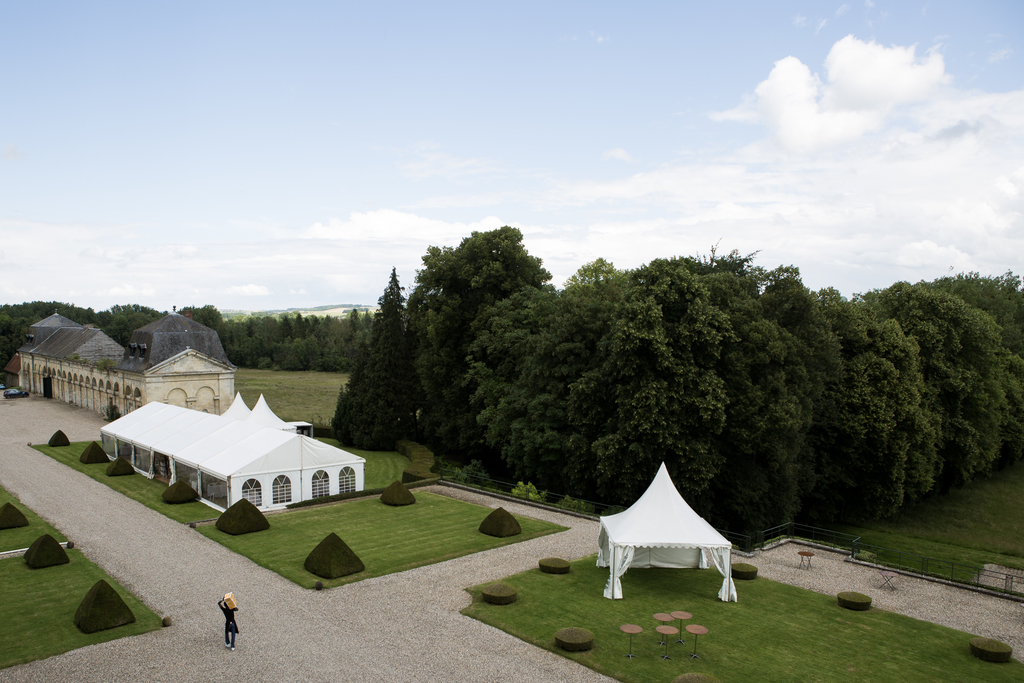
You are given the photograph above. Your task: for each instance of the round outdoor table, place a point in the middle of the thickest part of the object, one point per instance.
(805, 556)
(680, 615)
(666, 631)
(696, 631)
(664, 618)
(631, 629)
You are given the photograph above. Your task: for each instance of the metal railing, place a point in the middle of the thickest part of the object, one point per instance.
(529, 493)
(826, 537)
(954, 572)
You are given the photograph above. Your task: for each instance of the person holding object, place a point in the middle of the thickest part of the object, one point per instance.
(228, 606)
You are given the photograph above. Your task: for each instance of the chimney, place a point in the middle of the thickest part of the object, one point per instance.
(187, 313)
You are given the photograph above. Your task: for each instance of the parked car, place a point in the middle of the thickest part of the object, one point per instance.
(2, 387)
(15, 393)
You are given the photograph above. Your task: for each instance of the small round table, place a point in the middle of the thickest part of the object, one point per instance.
(680, 615)
(666, 631)
(664, 618)
(805, 556)
(888, 577)
(696, 631)
(631, 629)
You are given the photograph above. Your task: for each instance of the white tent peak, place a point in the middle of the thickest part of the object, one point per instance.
(262, 415)
(238, 409)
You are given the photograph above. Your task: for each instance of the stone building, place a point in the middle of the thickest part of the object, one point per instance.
(173, 360)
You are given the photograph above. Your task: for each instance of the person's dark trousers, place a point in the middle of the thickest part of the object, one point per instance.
(229, 628)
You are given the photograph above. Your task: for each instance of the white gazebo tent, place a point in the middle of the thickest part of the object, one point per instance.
(661, 530)
(262, 415)
(238, 409)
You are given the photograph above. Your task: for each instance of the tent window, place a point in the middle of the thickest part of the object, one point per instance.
(282, 490)
(253, 492)
(321, 484)
(347, 480)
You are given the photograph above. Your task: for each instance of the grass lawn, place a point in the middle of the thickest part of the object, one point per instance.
(23, 537)
(308, 396)
(382, 467)
(774, 633)
(387, 539)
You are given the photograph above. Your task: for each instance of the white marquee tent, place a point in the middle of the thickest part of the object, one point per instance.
(227, 459)
(661, 530)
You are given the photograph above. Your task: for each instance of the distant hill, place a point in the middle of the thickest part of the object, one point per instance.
(334, 310)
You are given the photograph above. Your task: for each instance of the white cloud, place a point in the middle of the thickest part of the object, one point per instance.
(999, 55)
(618, 153)
(249, 290)
(428, 161)
(598, 38)
(799, 20)
(930, 255)
(821, 25)
(841, 10)
(129, 292)
(12, 153)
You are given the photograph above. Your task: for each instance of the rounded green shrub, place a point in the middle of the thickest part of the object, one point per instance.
(397, 494)
(11, 517)
(500, 524)
(93, 455)
(499, 594)
(45, 551)
(554, 565)
(332, 558)
(119, 468)
(744, 572)
(101, 609)
(854, 601)
(695, 678)
(574, 639)
(166, 621)
(59, 438)
(990, 650)
(179, 492)
(242, 518)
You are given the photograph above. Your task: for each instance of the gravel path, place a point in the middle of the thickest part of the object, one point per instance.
(402, 627)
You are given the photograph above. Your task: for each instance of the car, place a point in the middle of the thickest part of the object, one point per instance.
(15, 393)
(2, 387)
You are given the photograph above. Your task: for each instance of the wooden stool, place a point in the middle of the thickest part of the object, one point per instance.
(664, 618)
(696, 631)
(666, 631)
(680, 616)
(630, 629)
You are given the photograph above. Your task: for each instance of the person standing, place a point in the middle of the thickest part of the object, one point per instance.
(230, 626)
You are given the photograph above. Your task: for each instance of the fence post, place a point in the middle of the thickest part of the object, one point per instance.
(854, 548)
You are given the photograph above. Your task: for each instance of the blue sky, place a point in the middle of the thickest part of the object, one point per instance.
(252, 155)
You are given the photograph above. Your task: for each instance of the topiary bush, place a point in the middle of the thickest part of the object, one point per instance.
(119, 468)
(103, 608)
(59, 438)
(695, 678)
(854, 601)
(166, 621)
(397, 494)
(332, 558)
(179, 492)
(574, 639)
(990, 650)
(554, 565)
(499, 594)
(500, 524)
(744, 572)
(242, 518)
(11, 517)
(45, 551)
(93, 455)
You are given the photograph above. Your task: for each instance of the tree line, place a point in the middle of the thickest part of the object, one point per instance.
(767, 401)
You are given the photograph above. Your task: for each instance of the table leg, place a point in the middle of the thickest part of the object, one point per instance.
(680, 638)
(631, 655)
(695, 655)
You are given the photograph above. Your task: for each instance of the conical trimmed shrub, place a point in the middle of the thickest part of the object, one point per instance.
(179, 492)
(332, 558)
(45, 551)
(59, 438)
(119, 468)
(242, 518)
(94, 455)
(397, 494)
(101, 609)
(11, 517)
(500, 524)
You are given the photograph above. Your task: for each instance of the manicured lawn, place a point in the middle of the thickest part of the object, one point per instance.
(386, 539)
(774, 633)
(382, 467)
(308, 396)
(23, 537)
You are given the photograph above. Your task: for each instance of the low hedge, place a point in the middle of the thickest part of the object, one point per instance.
(421, 461)
(499, 594)
(855, 601)
(574, 639)
(365, 493)
(554, 565)
(744, 572)
(990, 650)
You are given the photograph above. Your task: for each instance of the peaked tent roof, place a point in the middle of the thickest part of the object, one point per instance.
(662, 519)
(238, 409)
(265, 417)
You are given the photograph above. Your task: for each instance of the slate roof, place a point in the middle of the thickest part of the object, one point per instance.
(59, 337)
(15, 365)
(167, 337)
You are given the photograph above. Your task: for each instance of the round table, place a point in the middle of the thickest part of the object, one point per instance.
(631, 629)
(666, 631)
(680, 615)
(696, 630)
(664, 618)
(887, 577)
(805, 556)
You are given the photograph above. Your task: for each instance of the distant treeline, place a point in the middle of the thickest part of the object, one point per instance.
(767, 401)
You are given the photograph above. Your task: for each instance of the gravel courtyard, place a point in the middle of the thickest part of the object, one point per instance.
(402, 627)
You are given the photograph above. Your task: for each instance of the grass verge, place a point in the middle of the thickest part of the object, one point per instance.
(24, 536)
(387, 539)
(774, 633)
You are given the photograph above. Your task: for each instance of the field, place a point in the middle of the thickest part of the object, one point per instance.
(293, 396)
(775, 632)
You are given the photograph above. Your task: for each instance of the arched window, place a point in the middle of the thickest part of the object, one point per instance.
(321, 484)
(282, 490)
(253, 492)
(347, 480)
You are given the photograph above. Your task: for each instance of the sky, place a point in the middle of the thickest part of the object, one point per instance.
(259, 156)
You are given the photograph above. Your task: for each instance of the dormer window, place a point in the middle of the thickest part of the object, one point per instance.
(131, 348)
(142, 349)
(29, 337)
